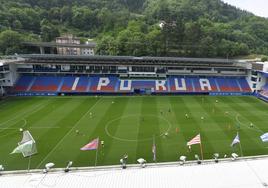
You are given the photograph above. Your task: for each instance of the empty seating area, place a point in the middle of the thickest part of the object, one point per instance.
(46, 84)
(113, 84)
(103, 84)
(67, 84)
(23, 83)
(244, 85)
(264, 91)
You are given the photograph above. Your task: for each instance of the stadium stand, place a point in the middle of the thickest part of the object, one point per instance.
(264, 91)
(103, 84)
(113, 84)
(244, 85)
(67, 84)
(45, 83)
(81, 84)
(23, 83)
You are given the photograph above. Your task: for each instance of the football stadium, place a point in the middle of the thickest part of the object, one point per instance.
(101, 111)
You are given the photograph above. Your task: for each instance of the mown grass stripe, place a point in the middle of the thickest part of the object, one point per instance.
(109, 152)
(146, 131)
(249, 139)
(126, 130)
(68, 133)
(197, 113)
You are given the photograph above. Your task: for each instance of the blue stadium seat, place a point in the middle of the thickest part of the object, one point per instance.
(111, 84)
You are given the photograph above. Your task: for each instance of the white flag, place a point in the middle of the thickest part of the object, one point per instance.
(236, 140)
(24, 148)
(264, 137)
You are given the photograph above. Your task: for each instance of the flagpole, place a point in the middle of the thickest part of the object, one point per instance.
(154, 149)
(29, 163)
(96, 159)
(241, 151)
(201, 148)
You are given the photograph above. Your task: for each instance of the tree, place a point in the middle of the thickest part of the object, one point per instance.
(10, 42)
(154, 44)
(107, 46)
(201, 28)
(17, 25)
(66, 14)
(264, 59)
(48, 31)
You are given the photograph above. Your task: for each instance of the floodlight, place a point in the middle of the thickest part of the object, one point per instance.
(67, 169)
(123, 163)
(48, 166)
(234, 156)
(125, 157)
(182, 160)
(142, 162)
(216, 156)
(197, 158)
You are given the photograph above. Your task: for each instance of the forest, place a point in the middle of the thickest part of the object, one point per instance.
(189, 28)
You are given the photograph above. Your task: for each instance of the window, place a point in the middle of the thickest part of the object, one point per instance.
(254, 79)
(254, 73)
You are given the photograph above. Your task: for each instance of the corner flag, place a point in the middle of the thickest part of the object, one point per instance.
(27, 146)
(94, 144)
(236, 140)
(24, 148)
(264, 137)
(195, 140)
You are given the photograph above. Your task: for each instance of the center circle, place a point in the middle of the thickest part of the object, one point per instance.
(141, 126)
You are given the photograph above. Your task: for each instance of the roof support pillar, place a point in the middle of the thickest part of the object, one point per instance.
(42, 50)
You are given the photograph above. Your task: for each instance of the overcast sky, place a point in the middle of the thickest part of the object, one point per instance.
(258, 7)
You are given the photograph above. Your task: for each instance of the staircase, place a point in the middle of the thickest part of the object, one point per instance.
(31, 84)
(75, 83)
(61, 83)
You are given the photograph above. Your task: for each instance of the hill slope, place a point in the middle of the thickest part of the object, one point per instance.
(201, 28)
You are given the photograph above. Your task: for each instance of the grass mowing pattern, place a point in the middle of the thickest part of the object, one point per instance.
(128, 125)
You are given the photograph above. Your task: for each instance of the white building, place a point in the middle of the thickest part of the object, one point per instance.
(70, 45)
(88, 51)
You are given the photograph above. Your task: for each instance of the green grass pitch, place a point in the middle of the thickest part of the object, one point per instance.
(127, 125)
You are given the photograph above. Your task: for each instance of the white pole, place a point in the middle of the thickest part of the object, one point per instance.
(241, 151)
(96, 159)
(154, 149)
(29, 163)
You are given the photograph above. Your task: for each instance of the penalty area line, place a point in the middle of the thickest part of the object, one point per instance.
(67, 134)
